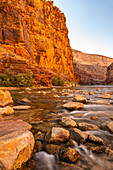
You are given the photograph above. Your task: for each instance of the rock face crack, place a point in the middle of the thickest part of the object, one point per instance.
(26, 36)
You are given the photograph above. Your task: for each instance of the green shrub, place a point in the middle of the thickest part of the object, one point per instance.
(23, 79)
(18, 80)
(57, 81)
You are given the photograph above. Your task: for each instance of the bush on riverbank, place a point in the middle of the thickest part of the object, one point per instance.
(58, 81)
(9, 78)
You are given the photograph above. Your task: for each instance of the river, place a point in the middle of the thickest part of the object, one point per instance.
(46, 112)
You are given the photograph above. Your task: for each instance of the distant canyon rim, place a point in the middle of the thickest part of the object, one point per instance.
(92, 68)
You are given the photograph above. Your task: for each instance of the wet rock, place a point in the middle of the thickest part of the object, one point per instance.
(85, 93)
(43, 92)
(54, 90)
(93, 117)
(66, 94)
(103, 126)
(67, 121)
(73, 105)
(38, 92)
(20, 92)
(70, 155)
(5, 97)
(64, 90)
(94, 147)
(38, 146)
(78, 135)
(105, 96)
(21, 107)
(109, 153)
(80, 98)
(77, 91)
(68, 166)
(59, 135)
(52, 149)
(110, 127)
(16, 144)
(87, 126)
(39, 136)
(6, 110)
(25, 100)
(28, 88)
(69, 90)
(56, 96)
(96, 140)
(72, 143)
(97, 149)
(90, 92)
(99, 102)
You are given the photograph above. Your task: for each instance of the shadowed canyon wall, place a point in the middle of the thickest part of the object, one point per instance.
(33, 34)
(109, 79)
(92, 68)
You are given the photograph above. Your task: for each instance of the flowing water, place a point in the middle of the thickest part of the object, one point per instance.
(47, 111)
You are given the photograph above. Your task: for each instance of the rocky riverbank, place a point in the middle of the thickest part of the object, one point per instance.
(72, 128)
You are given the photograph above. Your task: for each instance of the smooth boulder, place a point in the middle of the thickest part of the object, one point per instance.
(5, 97)
(99, 102)
(21, 107)
(16, 144)
(59, 135)
(25, 100)
(6, 110)
(80, 98)
(87, 126)
(73, 105)
(104, 96)
(68, 122)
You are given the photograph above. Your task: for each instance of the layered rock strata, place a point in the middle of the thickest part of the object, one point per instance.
(92, 68)
(33, 35)
(91, 59)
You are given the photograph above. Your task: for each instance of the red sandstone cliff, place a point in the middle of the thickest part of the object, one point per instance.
(92, 68)
(33, 35)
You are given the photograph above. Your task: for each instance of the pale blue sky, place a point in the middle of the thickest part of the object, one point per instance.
(90, 25)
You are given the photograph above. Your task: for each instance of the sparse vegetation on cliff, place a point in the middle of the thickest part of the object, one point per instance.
(9, 78)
